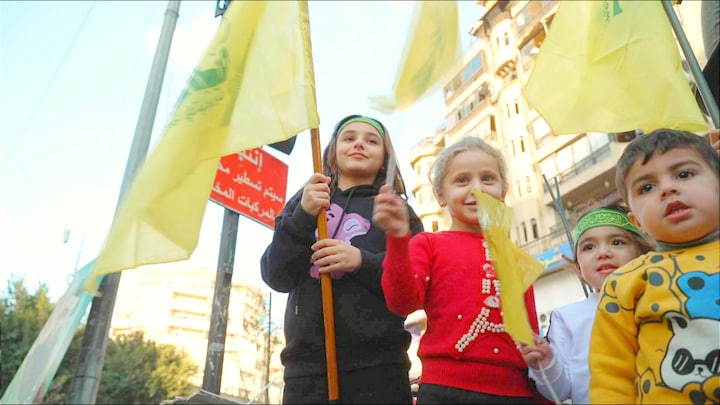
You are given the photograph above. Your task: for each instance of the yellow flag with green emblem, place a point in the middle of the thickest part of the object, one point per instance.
(516, 270)
(611, 66)
(431, 52)
(254, 86)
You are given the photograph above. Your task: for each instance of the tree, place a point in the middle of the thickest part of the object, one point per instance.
(22, 315)
(136, 371)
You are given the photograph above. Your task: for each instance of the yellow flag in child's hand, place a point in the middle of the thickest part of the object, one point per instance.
(515, 269)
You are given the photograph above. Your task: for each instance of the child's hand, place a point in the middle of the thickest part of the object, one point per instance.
(316, 194)
(336, 255)
(715, 139)
(391, 213)
(539, 355)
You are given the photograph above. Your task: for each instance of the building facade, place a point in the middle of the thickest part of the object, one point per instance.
(172, 305)
(484, 99)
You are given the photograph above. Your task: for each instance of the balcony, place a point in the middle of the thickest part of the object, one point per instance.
(589, 179)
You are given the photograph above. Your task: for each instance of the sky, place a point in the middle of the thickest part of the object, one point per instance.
(72, 79)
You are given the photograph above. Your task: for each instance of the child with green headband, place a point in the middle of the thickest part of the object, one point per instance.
(371, 342)
(605, 239)
(656, 336)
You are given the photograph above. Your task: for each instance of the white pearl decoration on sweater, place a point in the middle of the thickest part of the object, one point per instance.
(481, 323)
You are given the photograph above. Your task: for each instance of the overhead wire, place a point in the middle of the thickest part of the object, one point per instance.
(21, 135)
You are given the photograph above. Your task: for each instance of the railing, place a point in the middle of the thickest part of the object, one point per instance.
(583, 165)
(556, 237)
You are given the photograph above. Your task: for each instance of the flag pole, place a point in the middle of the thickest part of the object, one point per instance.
(326, 285)
(705, 93)
(557, 201)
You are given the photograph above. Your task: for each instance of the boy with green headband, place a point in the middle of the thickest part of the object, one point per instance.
(656, 334)
(605, 239)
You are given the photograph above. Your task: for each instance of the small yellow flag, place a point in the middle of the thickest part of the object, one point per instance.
(611, 66)
(432, 50)
(254, 86)
(515, 269)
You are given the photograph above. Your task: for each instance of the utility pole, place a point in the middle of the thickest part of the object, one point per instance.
(212, 376)
(268, 349)
(214, 358)
(85, 383)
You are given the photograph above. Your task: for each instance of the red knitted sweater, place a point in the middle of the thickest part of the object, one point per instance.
(464, 346)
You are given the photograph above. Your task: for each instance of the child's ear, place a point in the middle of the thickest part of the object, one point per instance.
(635, 222)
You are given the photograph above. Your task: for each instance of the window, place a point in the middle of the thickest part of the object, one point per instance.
(492, 123)
(534, 225)
(472, 67)
(523, 17)
(528, 184)
(435, 226)
(524, 227)
(519, 190)
(506, 37)
(517, 107)
(512, 143)
(522, 144)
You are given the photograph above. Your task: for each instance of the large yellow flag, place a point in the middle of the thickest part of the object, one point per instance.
(254, 86)
(431, 51)
(611, 66)
(516, 270)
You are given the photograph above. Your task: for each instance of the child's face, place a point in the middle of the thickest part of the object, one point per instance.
(601, 250)
(360, 153)
(674, 196)
(468, 171)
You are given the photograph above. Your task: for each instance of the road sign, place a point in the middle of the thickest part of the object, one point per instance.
(252, 183)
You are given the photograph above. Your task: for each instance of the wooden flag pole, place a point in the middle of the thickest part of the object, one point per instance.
(326, 285)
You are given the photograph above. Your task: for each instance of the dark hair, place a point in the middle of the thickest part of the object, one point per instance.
(660, 141)
(330, 167)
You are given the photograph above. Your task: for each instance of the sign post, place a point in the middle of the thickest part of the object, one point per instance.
(251, 183)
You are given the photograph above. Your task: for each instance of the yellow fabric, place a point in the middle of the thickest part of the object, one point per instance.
(656, 327)
(611, 66)
(515, 269)
(432, 50)
(254, 86)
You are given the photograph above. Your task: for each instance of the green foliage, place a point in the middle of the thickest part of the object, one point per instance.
(22, 315)
(136, 371)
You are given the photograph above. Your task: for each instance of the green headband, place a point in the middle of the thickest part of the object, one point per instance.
(604, 217)
(375, 124)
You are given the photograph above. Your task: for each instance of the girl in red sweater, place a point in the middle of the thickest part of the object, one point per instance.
(467, 357)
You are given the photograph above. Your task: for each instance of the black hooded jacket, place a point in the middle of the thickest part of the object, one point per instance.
(366, 333)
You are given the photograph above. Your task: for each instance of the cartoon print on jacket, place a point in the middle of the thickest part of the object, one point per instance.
(352, 225)
(678, 310)
(691, 355)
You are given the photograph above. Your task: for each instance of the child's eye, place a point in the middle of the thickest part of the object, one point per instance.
(488, 179)
(461, 180)
(645, 188)
(586, 247)
(685, 174)
(373, 141)
(618, 242)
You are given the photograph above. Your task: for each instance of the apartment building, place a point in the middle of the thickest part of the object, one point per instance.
(171, 304)
(484, 99)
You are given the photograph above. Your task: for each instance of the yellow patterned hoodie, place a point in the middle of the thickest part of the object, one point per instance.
(656, 336)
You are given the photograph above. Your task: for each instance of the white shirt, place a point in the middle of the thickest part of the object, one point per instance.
(569, 336)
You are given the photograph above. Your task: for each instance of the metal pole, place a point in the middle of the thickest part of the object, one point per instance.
(557, 201)
(268, 349)
(212, 376)
(85, 383)
(697, 74)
